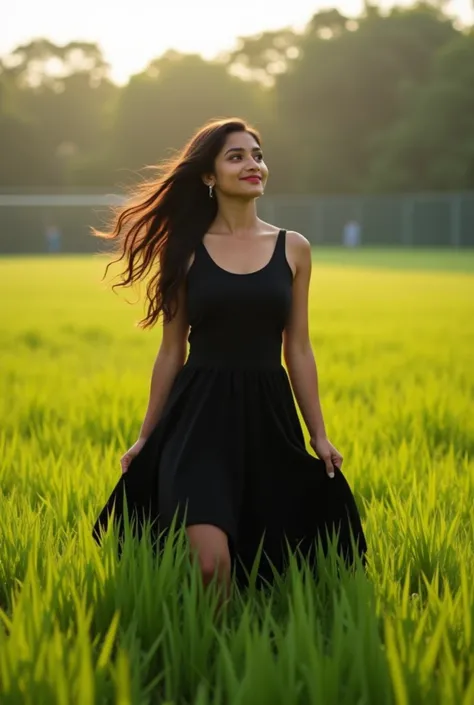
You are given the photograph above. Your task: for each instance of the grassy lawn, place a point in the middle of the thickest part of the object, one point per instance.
(393, 335)
(422, 259)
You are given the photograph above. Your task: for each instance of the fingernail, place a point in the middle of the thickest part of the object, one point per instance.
(331, 474)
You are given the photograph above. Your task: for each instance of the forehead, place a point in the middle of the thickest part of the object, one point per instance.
(242, 140)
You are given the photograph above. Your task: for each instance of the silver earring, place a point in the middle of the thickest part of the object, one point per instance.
(210, 191)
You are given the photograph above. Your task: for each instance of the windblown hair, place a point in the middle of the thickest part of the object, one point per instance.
(159, 228)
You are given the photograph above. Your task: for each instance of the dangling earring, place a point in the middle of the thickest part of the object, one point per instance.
(210, 191)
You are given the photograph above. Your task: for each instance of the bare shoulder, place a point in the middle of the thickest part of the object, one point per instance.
(298, 242)
(298, 251)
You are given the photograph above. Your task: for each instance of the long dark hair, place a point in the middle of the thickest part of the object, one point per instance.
(168, 217)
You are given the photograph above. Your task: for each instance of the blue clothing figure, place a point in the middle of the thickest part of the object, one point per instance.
(53, 238)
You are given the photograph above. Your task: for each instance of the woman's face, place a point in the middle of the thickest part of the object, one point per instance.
(239, 167)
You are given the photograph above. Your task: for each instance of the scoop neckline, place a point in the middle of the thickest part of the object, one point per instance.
(245, 274)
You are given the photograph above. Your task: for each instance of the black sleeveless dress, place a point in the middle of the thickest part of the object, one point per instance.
(229, 448)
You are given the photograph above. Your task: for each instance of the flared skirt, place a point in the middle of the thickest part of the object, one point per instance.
(229, 451)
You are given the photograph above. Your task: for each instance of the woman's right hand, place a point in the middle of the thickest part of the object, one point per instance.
(131, 453)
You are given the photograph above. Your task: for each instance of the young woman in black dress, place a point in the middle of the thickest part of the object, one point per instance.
(221, 443)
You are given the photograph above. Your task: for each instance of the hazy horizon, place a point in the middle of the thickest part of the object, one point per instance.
(129, 40)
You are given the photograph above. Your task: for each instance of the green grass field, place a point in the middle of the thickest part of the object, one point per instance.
(393, 335)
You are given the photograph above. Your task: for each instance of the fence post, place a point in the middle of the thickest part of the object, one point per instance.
(455, 218)
(408, 207)
(317, 221)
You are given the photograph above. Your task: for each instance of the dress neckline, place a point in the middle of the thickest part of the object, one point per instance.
(245, 274)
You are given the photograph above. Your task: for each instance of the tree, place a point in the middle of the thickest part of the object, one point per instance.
(432, 145)
(263, 56)
(344, 90)
(52, 85)
(160, 108)
(379, 102)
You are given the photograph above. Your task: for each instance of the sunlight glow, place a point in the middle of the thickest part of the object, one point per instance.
(131, 34)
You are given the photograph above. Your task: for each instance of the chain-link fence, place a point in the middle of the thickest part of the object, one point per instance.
(34, 223)
(436, 220)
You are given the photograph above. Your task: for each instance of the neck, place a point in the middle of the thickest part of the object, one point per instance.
(236, 217)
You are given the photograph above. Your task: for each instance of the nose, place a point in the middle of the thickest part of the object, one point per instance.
(253, 167)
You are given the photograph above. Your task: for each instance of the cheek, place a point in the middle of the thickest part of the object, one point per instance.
(228, 172)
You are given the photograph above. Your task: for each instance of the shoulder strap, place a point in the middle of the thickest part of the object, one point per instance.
(199, 255)
(281, 242)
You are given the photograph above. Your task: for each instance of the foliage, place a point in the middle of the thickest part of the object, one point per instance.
(380, 102)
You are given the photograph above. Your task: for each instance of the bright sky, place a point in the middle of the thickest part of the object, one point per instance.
(131, 32)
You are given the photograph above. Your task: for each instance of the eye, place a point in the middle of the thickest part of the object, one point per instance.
(258, 157)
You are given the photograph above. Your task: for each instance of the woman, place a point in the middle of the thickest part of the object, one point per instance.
(221, 444)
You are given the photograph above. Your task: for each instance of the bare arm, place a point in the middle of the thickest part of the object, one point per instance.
(169, 360)
(297, 350)
(300, 360)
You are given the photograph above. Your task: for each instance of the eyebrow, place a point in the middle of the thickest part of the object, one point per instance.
(241, 149)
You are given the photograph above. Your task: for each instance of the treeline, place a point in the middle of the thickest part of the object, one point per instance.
(382, 103)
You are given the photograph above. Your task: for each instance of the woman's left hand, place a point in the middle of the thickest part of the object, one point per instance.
(327, 453)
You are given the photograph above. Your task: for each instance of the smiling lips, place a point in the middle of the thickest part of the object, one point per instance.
(252, 179)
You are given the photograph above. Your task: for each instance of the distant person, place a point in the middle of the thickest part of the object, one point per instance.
(53, 238)
(221, 443)
(352, 234)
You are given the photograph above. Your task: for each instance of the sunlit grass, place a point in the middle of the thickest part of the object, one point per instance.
(394, 351)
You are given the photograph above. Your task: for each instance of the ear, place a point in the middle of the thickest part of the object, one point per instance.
(208, 180)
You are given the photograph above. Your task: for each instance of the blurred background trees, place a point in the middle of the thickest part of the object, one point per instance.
(381, 103)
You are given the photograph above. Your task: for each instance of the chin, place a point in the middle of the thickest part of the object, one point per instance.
(253, 192)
